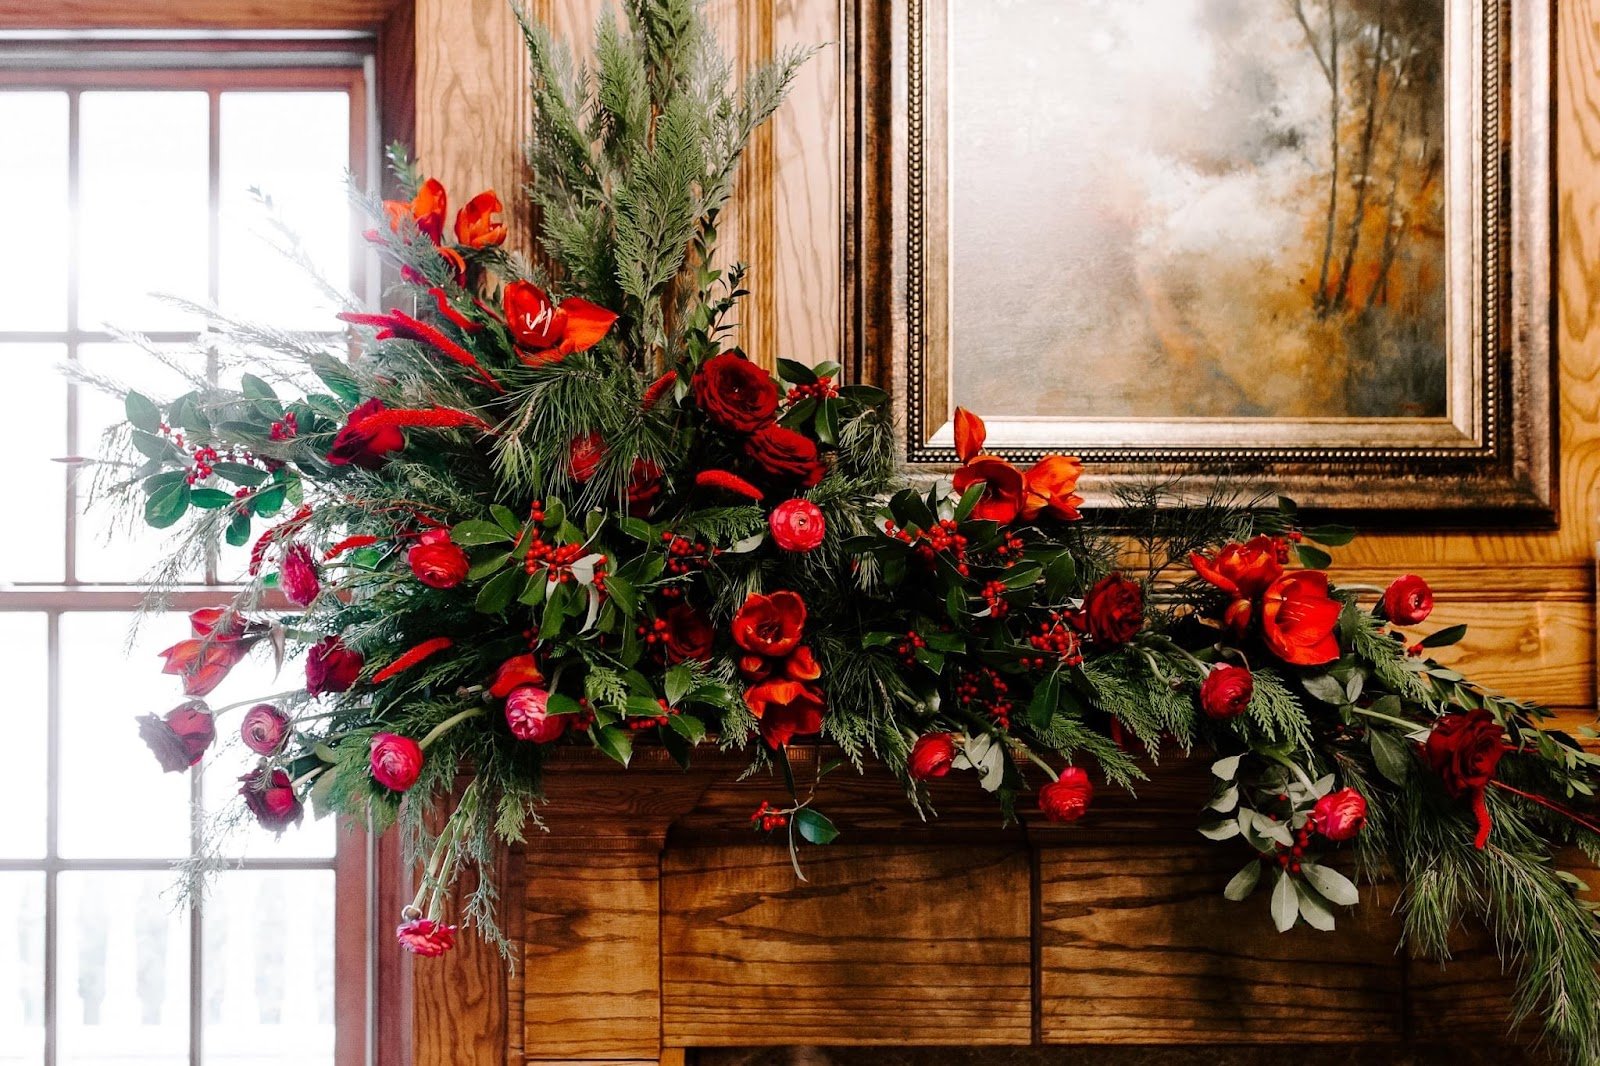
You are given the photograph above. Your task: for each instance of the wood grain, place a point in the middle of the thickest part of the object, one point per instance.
(460, 1000)
(197, 14)
(887, 946)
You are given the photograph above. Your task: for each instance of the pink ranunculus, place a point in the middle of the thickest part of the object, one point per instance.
(271, 798)
(395, 761)
(1340, 815)
(1408, 600)
(797, 525)
(528, 715)
(1067, 799)
(264, 728)
(426, 937)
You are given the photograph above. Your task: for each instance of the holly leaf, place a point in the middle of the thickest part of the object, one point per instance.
(1444, 637)
(1389, 755)
(210, 499)
(142, 413)
(679, 680)
(615, 742)
(473, 532)
(1313, 558)
(165, 507)
(494, 596)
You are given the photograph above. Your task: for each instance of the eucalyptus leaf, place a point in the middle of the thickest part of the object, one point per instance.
(1244, 882)
(1312, 908)
(1331, 884)
(1285, 904)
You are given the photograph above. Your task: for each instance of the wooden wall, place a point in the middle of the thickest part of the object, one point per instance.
(671, 928)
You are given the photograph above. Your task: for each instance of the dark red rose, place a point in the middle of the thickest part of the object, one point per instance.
(514, 672)
(783, 453)
(786, 709)
(366, 448)
(425, 937)
(1298, 619)
(1067, 799)
(932, 755)
(1113, 612)
(797, 525)
(584, 455)
(181, 737)
(528, 715)
(689, 634)
(1408, 600)
(264, 728)
(203, 662)
(1340, 815)
(1226, 691)
(437, 561)
(298, 575)
(271, 798)
(395, 761)
(734, 393)
(331, 667)
(1465, 749)
(770, 625)
(645, 484)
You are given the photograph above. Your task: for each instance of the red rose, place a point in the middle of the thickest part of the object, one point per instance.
(271, 799)
(1113, 612)
(264, 728)
(180, 738)
(689, 634)
(476, 225)
(514, 672)
(797, 525)
(786, 709)
(425, 937)
(202, 662)
(584, 455)
(528, 715)
(395, 761)
(1408, 600)
(1298, 619)
(734, 393)
(354, 446)
(437, 561)
(1465, 749)
(1067, 799)
(298, 575)
(783, 453)
(1242, 570)
(1003, 488)
(331, 667)
(931, 756)
(1226, 691)
(770, 625)
(644, 486)
(1340, 815)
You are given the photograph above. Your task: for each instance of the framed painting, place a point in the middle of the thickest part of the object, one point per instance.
(1307, 241)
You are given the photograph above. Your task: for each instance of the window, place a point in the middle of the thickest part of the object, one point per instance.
(119, 183)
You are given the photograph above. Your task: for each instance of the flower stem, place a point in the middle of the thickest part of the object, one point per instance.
(258, 699)
(1408, 726)
(1294, 767)
(449, 723)
(1035, 759)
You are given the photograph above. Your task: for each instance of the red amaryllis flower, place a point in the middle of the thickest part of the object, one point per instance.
(931, 756)
(786, 709)
(331, 666)
(366, 448)
(1002, 488)
(1067, 798)
(1113, 611)
(271, 798)
(514, 672)
(1340, 815)
(203, 662)
(181, 737)
(264, 728)
(770, 625)
(437, 561)
(1465, 749)
(476, 224)
(528, 715)
(970, 435)
(1226, 691)
(585, 453)
(1047, 488)
(395, 761)
(298, 575)
(689, 635)
(797, 525)
(802, 665)
(645, 485)
(427, 210)
(549, 333)
(1408, 600)
(219, 620)
(1241, 570)
(783, 453)
(426, 937)
(734, 393)
(1298, 619)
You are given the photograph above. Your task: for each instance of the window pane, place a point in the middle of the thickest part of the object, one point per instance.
(268, 965)
(145, 207)
(122, 968)
(22, 969)
(24, 637)
(294, 148)
(33, 180)
(32, 436)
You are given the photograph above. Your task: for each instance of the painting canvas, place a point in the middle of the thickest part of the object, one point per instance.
(1198, 209)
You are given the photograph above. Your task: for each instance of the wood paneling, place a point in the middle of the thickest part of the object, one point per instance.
(196, 14)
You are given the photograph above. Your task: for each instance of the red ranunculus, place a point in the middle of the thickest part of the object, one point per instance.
(395, 761)
(1226, 691)
(1067, 799)
(427, 210)
(1113, 611)
(786, 709)
(1047, 488)
(689, 634)
(546, 333)
(584, 454)
(770, 625)
(1340, 815)
(202, 662)
(425, 937)
(528, 715)
(181, 737)
(1002, 488)
(331, 666)
(366, 448)
(298, 575)
(931, 756)
(437, 561)
(734, 393)
(783, 453)
(1241, 570)
(1298, 619)
(263, 729)
(271, 798)
(1408, 600)
(645, 485)
(476, 224)
(514, 672)
(797, 525)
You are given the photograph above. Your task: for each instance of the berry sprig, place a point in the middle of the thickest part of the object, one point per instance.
(1059, 640)
(822, 389)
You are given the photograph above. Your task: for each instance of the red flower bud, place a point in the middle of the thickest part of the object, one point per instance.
(437, 561)
(298, 575)
(271, 798)
(181, 737)
(1113, 611)
(1340, 815)
(1067, 799)
(1225, 693)
(1408, 600)
(931, 756)
(425, 937)
(331, 667)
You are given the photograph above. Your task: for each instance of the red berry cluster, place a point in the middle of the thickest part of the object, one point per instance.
(1010, 549)
(654, 632)
(767, 817)
(685, 556)
(983, 689)
(822, 389)
(908, 647)
(994, 595)
(1059, 639)
(287, 429)
(1288, 857)
(203, 458)
(667, 711)
(931, 542)
(556, 559)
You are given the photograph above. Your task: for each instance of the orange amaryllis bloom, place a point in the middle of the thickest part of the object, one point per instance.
(549, 333)
(970, 435)
(786, 709)
(427, 210)
(1002, 488)
(476, 225)
(770, 625)
(202, 662)
(1048, 486)
(1242, 570)
(1298, 619)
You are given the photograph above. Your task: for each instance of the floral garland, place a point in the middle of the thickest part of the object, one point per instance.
(550, 506)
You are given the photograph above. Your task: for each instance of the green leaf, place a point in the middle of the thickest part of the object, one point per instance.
(1389, 755)
(815, 826)
(679, 681)
(1060, 576)
(637, 528)
(487, 565)
(1332, 536)
(1244, 882)
(167, 506)
(1444, 637)
(796, 373)
(624, 595)
(239, 473)
(1326, 688)
(1221, 830)
(142, 413)
(969, 500)
(1331, 884)
(827, 422)
(256, 389)
(615, 742)
(473, 532)
(152, 446)
(506, 519)
(238, 533)
(1313, 558)
(210, 499)
(494, 596)
(1312, 908)
(688, 727)
(1228, 768)
(1285, 904)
